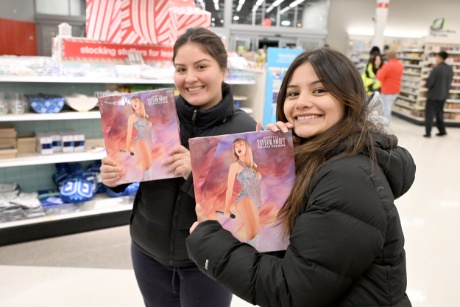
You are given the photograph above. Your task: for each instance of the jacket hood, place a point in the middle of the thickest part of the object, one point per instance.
(396, 162)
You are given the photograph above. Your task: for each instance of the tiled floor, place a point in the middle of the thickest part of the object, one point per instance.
(94, 269)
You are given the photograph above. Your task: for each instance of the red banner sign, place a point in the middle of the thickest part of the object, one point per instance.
(79, 49)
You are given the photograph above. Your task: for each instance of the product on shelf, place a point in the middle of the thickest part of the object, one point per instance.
(46, 103)
(8, 142)
(80, 102)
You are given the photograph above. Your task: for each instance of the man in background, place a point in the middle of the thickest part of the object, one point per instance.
(390, 75)
(438, 85)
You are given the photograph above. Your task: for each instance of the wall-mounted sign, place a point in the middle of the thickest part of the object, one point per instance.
(74, 49)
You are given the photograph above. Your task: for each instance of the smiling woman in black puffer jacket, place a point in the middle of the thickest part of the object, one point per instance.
(346, 241)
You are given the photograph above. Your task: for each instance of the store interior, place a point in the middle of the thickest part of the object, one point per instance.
(41, 247)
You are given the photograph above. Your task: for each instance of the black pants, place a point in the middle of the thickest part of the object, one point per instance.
(165, 285)
(434, 108)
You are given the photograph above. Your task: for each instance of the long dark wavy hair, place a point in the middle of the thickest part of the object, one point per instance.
(350, 136)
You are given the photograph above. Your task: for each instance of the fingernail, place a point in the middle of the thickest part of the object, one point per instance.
(284, 129)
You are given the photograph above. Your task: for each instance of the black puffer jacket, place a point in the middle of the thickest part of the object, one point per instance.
(346, 248)
(164, 210)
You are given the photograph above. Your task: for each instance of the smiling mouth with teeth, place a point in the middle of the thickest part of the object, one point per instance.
(308, 117)
(194, 89)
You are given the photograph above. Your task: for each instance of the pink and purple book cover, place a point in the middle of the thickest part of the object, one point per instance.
(139, 130)
(242, 180)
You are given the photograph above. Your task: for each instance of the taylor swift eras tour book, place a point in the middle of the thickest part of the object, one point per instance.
(242, 180)
(139, 130)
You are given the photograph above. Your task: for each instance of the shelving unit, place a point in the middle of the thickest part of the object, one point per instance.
(411, 101)
(101, 212)
(360, 45)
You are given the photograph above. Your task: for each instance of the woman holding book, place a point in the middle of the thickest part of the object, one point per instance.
(248, 200)
(346, 241)
(139, 120)
(164, 210)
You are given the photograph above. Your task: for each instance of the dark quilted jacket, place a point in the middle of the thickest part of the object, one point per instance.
(346, 248)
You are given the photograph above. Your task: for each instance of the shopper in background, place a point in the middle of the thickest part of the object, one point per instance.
(164, 210)
(438, 85)
(390, 75)
(369, 75)
(346, 241)
(374, 51)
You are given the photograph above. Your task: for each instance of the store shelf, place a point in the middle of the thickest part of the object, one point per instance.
(38, 159)
(407, 116)
(416, 71)
(50, 116)
(99, 213)
(98, 205)
(404, 105)
(100, 80)
(97, 80)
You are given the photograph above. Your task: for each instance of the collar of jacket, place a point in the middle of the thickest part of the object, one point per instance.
(205, 119)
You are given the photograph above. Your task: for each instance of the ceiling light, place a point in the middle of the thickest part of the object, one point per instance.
(287, 8)
(256, 6)
(295, 3)
(240, 5)
(275, 4)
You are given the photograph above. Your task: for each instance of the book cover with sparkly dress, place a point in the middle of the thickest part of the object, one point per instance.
(139, 130)
(242, 180)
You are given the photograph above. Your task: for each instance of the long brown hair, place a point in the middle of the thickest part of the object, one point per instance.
(350, 136)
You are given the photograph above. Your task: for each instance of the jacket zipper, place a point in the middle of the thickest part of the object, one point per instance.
(179, 196)
(193, 122)
(174, 225)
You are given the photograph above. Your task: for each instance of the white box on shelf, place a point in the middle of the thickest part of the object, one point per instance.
(67, 141)
(57, 141)
(44, 143)
(79, 142)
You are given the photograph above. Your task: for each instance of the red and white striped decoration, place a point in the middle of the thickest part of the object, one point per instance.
(142, 21)
(182, 18)
(103, 21)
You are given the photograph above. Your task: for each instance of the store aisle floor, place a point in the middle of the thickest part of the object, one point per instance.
(94, 268)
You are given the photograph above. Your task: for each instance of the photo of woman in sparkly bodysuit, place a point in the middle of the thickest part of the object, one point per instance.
(141, 146)
(248, 201)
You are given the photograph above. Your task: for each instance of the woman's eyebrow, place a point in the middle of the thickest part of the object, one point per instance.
(199, 61)
(311, 83)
